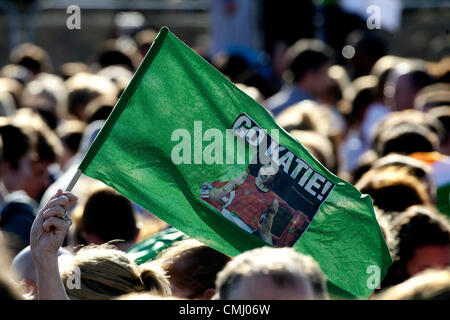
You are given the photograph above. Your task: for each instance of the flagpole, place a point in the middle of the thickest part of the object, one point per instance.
(74, 180)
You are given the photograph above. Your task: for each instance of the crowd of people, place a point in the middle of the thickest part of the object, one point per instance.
(379, 121)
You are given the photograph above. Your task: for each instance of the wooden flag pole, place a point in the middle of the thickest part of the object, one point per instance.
(74, 180)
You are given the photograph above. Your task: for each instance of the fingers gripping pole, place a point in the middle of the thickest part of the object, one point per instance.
(74, 180)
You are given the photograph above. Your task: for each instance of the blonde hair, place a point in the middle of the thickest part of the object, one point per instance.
(106, 273)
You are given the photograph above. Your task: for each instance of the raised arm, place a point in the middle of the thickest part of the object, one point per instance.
(217, 194)
(47, 235)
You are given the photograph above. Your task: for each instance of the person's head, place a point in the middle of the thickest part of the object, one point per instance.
(432, 96)
(69, 69)
(120, 51)
(119, 75)
(70, 133)
(266, 175)
(417, 168)
(83, 88)
(48, 149)
(404, 82)
(368, 48)
(407, 87)
(442, 113)
(99, 109)
(363, 164)
(23, 266)
(406, 138)
(420, 240)
(144, 40)
(192, 268)
(17, 154)
(393, 188)
(103, 273)
(107, 216)
(431, 284)
(309, 61)
(32, 57)
(271, 274)
(357, 98)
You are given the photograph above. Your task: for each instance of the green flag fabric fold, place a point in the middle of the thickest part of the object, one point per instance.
(181, 142)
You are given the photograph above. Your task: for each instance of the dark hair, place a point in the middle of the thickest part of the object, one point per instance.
(393, 188)
(407, 138)
(16, 144)
(109, 215)
(306, 55)
(418, 226)
(420, 79)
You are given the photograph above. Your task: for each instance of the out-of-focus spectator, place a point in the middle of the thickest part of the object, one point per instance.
(192, 269)
(32, 57)
(427, 285)
(404, 83)
(420, 240)
(432, 96)
(307, 77)
(121, 51)
(47, 95)
(70, 133)
(70, 69)
(394, 189)
(363, 49)
(23, 266)
(144, 40)
(99, 109)
(83, 88)
(106, 273)
(271, 274)
(107, 216)
(442, 113)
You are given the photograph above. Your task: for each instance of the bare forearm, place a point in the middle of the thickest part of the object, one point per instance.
(49, 283)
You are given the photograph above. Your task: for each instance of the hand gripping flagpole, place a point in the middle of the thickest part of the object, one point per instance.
(74, 180)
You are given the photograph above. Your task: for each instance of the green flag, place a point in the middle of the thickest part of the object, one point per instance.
(186, 144)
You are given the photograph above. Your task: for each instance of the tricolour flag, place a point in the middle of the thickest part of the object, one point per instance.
(187, 145)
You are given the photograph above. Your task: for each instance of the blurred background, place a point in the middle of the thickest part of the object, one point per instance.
(412, 28)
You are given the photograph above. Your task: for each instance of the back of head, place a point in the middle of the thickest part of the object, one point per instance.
(357, 97)
(83, 88)
(431, 96)
(121, 51)
(16, 144)
(192, 268)
(32, 57)
(305, 55)
(285, 273)
(105, 273)
(107, 216)
(393, 188)
(406, 132)
(369, 47)
(416, 229)
(430, 284)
